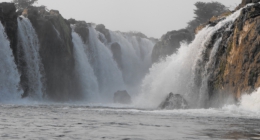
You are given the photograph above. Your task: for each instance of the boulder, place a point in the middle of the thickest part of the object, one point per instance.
(122, 97)
(174, 101)
(82, 29)
(102, 29)
(117, 54)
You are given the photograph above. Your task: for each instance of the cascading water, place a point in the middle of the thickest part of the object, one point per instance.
(203, 93)
(106, 70)
(97, 69)
(136, 58)
(30, 58)
(9, 76)
(179, 72)
(88, 80)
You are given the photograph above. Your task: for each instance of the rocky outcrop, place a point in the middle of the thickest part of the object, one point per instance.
(174, 101)
(8, 18)
(237, 69)
(170, 43)
(245, 2)
(117, 54)
(102, 29)
(122, 97)
(81, 27)
(56, 51)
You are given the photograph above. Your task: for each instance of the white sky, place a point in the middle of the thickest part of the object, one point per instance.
(151, 17)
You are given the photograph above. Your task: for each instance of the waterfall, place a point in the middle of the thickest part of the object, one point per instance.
(203, 93)
(88, 80)
(29, 58)
(179, 72)
(105, 68)
(9, 76)
(97, 69)
(136, 57)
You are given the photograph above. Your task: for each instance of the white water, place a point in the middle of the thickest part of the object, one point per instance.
(106, 70)
(178, 72)
(251, 102)
(203, 93)
(107, 78)
(88, 80)
(9, 76)
(28, 41)
(136, 58)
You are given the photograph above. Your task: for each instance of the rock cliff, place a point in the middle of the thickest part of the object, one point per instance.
(8, 18)
(170, 43)
(56, 52)
(237, 67)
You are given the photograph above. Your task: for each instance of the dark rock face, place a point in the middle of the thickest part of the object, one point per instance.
(170, 43)
(8, 18)
(174, 101)
(102, 29)
(117, 54)
(83, 31)
(237, 68)
(122, 97)
(245, 2)
(56, 51)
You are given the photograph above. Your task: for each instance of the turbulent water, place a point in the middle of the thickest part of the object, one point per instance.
(92, 123)
(178, 73)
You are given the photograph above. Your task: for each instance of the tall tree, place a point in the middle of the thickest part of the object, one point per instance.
(22, 4)
(204, 11)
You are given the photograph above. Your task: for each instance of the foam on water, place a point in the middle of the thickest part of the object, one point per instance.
(251, 101)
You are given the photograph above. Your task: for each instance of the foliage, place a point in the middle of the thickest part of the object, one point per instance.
(204, 11)
(22, 4)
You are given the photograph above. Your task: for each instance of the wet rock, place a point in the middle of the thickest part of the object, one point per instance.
(117, 54)
(122, 97)
(170, 43)
(8, 18)
(102, 29)
(174, 101)
(56, 51)
(236, 70)
(82, 29)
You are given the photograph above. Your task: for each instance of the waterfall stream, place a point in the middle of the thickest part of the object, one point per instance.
(88, 80)
(30, 58)
(9, 76)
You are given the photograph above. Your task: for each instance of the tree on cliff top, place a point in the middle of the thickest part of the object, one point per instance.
(204, 11)
(22, 4)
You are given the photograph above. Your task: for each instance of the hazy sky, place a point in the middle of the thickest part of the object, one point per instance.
(151, 17)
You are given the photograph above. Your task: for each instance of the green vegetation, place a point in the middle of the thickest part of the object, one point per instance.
(203, 12)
